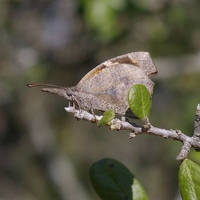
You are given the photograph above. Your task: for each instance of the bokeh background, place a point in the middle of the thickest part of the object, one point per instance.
(45, 153)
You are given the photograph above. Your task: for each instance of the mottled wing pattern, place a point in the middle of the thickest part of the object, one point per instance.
(110, 85)
(141, 59)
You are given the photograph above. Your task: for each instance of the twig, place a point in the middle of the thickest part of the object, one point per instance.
(117, 124)
(197, 122)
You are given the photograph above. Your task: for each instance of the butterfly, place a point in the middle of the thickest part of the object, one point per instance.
(106, 86)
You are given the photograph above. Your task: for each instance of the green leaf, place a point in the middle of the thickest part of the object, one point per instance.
(107, 117)
(139, 100)
(113, 181)
(189, 180)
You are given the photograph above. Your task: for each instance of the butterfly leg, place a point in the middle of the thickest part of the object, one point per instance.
(75, 102)
(92, 112)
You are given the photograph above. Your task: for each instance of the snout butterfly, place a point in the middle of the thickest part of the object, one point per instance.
(106, 86)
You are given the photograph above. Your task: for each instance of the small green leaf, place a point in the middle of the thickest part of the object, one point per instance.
(189, 180)
(107, 117)
(113, 181)
(139, 100)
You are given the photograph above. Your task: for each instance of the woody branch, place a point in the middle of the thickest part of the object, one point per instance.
(117, 124)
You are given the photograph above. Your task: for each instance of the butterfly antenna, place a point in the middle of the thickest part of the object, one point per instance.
(42, 84)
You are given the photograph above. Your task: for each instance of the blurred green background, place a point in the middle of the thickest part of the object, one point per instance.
(45, 153)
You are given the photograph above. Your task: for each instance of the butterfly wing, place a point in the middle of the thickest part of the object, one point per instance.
(141, 59)
(109, 85)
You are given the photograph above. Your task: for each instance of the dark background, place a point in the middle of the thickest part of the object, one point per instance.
(45, 153)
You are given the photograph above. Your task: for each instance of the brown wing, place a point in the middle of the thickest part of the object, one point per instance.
(110, 85)
(141, 59)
